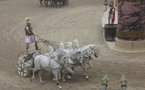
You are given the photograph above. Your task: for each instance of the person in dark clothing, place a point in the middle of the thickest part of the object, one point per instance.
(111, 17)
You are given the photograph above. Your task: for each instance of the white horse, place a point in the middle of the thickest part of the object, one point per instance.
(73, 55)
(68, 54)
(51, 63)
(87, 53)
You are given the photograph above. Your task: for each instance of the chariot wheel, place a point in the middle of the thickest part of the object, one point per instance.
(20, 68)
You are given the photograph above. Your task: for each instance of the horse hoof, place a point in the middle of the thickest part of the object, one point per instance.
(54, 79)
(59, 87)
(69, 77)
(87, 77)
(64, 80)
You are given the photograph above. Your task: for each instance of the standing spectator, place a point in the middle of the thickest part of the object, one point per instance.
(106, 4)
(111, 17)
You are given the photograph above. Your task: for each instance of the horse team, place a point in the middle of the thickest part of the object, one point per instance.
(63, 60)
(54, 3)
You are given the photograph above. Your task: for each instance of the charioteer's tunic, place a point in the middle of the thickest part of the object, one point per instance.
(30, 38)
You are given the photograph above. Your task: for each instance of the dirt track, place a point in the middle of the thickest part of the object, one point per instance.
(81, 20)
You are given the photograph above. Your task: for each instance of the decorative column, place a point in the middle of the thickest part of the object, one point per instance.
(131, 20)
(115, 3)
(131, 26)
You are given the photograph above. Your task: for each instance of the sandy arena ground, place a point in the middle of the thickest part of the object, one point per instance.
(81, 20)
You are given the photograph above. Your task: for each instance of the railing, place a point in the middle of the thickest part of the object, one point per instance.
(105, 81)
(123, 82)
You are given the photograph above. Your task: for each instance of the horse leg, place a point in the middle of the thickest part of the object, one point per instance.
(62, 74)
(40, 77)
(55, 3)
(55, 72)
(59, 75)
(41, 2)
(85, 71)
(46, 3)
(34, 70)
(63, 77)
(63, 3)
(60, 3)
(52, 3)
(70, 74)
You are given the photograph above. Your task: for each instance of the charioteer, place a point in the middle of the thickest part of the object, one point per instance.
(30, 37)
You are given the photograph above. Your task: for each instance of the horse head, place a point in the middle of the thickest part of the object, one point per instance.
(69, 45)
(76, 57)
(95, 50)
(76, 43)
(61, 46)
